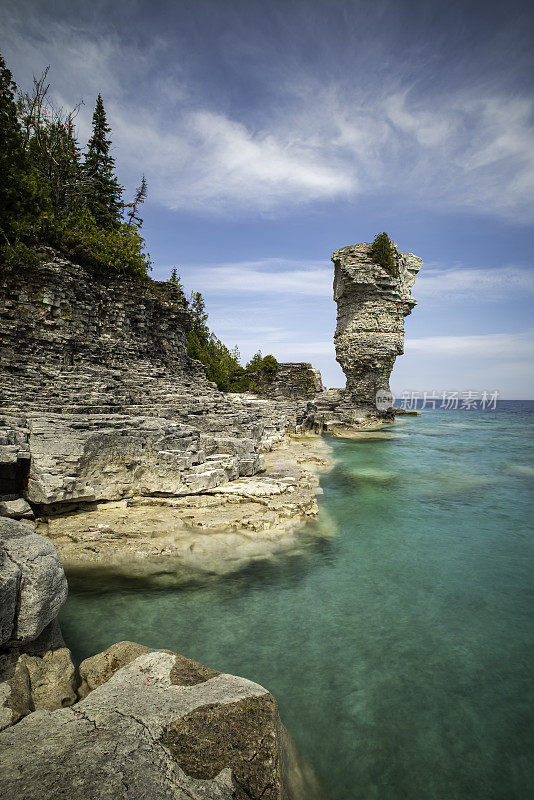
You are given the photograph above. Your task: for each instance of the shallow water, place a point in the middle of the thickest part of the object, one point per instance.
(401, 649)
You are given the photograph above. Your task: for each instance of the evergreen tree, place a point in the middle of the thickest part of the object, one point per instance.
(383, 253)
(140, 196)
(222, 366)
(19, 196)
(102, 190)
(175, 279)
(254, 365)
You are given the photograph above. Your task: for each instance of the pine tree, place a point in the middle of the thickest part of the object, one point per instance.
(13, 162)
(103, 192)
(383, 253)
(140, 196)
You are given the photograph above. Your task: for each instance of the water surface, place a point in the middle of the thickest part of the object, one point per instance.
(401, 649)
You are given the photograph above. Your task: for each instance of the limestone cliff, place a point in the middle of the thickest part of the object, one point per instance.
(371, 306)
(99, 400)
(291, 381)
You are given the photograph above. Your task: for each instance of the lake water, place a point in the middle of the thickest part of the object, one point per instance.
(400, 649)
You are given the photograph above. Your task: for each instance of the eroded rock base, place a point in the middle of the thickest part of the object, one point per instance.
(216, 531)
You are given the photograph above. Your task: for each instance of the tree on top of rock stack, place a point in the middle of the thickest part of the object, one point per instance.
(383, 253)
(103, 192)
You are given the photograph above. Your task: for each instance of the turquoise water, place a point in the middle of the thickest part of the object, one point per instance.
(401, 649)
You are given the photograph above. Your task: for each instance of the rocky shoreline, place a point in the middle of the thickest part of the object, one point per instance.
(130, 722)
(116, 447)
(217, 531)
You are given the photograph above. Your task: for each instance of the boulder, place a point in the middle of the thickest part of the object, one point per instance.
(16, 509)
(36, 670)
(160, 727)
(34, 586)
(33, 682)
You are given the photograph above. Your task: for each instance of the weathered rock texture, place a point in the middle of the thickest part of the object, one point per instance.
(157, 726)
(36, 670)
(293, 381)
(137, 723)
(371, 306)
(173, 540)
(99, 400)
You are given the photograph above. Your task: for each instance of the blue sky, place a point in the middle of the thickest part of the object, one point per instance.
(272, 133)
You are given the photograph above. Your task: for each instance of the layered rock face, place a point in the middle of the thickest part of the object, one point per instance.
(291, 381)
(371, 306)
(99, 400)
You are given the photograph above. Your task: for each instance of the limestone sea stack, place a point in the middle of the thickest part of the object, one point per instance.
(371, 306)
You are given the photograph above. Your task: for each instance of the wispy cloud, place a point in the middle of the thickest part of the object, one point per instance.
(314, 279)
(316, 138)
(271, 275)
(497, 361)
(468, 283)
(515, 346)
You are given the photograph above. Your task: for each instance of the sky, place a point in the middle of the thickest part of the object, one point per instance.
(272, 133)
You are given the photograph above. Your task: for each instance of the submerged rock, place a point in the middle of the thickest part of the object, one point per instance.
(219, 531)
(144, 724)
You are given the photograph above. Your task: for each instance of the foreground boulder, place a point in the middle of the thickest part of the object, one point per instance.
(161, 726)
(34, 584)
(36, 670)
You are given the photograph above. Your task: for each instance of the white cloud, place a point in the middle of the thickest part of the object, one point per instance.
(314, 278)
(269, 276)
(320, 140)
(513, 346)
(476, 283)
(497, 361)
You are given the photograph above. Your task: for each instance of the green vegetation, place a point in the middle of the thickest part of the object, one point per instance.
(383, 253)
(175, 279)
(52, 195)
(222, 366)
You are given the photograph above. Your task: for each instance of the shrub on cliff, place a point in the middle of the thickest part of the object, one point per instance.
(383, 253)
(263, 366)
(269, 365)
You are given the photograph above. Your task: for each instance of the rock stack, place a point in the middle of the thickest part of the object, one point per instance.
(371, 306)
